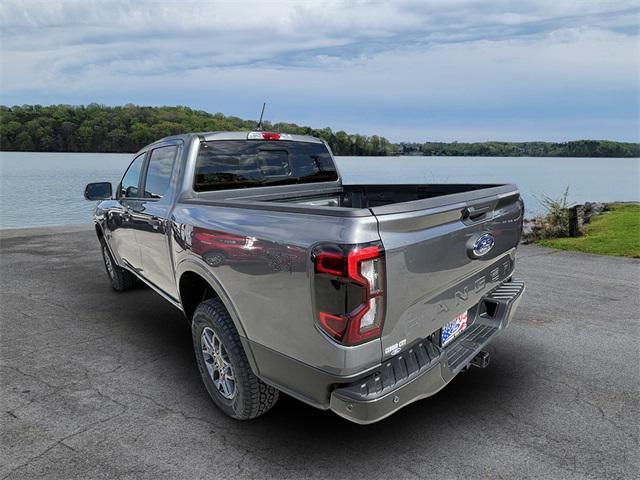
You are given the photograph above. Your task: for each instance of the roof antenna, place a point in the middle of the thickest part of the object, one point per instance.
(259, 126)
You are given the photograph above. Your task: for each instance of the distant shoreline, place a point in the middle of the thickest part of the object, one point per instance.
(391, 155)
(98, 128)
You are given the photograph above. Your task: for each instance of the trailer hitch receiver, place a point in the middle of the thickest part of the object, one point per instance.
(481, 360)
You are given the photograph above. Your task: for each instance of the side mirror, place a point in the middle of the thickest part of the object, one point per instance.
(98, 191)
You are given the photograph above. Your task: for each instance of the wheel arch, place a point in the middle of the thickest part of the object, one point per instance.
(193, 281)
(102, 237)
(99, 232)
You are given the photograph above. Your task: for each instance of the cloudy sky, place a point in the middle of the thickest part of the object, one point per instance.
(409, 70)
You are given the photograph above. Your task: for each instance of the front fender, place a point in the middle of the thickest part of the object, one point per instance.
(100, 220)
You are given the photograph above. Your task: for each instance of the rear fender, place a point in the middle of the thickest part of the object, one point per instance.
(195, 266)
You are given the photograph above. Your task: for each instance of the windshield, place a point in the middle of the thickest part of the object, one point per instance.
(227, 164)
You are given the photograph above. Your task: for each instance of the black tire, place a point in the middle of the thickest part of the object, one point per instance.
(251, 397)
(120, 278)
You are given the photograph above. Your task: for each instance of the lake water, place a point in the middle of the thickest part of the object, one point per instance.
(42, 189)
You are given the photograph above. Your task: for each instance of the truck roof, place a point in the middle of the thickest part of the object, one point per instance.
(242, 135)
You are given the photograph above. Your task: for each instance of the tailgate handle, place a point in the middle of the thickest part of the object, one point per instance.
(475, 212)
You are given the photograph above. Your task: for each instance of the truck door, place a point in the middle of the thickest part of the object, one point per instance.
(152, 228)
(121, 219)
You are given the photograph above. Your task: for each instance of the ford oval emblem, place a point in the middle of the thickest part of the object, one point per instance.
(483, 245)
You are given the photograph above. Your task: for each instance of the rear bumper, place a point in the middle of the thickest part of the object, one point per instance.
(425, 368)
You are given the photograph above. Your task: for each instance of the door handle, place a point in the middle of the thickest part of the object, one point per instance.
(125, 213)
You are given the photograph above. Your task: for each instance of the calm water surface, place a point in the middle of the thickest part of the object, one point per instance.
(41, 189)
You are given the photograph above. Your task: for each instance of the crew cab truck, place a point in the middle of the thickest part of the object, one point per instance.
(360, 298)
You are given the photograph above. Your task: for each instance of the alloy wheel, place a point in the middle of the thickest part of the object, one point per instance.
(217, 362)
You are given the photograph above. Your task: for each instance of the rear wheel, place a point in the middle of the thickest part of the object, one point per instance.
(120, 278)
(224, 367)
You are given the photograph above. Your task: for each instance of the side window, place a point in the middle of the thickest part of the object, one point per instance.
(159, 171)
(129, 183)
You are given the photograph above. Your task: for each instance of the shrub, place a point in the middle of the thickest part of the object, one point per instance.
(555, 223)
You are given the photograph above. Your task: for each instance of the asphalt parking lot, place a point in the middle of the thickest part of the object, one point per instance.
(97, 384)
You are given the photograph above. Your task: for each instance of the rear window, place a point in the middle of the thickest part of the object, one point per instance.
(226, 164)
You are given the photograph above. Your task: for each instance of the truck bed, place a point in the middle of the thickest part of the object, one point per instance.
(355, 200)
(368, 196)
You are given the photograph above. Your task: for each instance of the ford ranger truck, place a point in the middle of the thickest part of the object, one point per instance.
(359, 299)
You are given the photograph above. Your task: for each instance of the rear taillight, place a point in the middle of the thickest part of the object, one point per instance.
(349, 291)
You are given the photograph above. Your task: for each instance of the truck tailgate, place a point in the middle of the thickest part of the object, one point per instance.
(433, 275)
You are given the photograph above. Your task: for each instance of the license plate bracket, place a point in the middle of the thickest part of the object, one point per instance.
(454, 328)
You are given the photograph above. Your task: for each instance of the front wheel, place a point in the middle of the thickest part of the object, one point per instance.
(120, 278)
(224, 367)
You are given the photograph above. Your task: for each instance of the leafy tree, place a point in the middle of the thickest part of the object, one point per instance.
(99, 128)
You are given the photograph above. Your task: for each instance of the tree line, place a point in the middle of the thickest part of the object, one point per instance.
(99, 128)
(125, 129)
(577, 148)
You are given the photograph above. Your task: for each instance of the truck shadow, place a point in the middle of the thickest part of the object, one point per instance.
(294, 436)
(476, 400)
(473, 406)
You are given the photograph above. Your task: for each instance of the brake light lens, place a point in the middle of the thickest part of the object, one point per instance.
(364, 266)
(349, 291)
(271, 136)
(330, 262)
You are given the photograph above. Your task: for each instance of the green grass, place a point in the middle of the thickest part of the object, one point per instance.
(612, 233)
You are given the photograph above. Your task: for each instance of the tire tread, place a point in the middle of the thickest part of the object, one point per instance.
(258, 397)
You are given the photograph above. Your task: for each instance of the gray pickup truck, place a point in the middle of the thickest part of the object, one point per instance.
(360, 299)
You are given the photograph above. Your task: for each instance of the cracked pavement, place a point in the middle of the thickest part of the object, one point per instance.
(96, 384)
